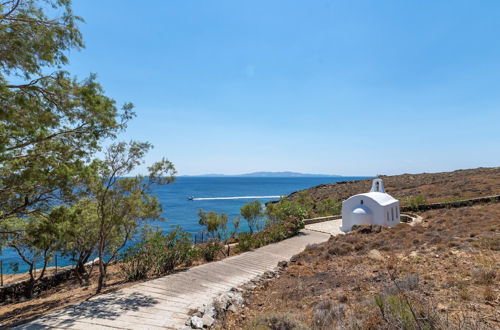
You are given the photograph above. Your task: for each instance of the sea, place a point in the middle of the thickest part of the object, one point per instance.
(219, 194)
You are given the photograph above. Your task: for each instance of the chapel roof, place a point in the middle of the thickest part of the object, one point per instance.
(379, 197)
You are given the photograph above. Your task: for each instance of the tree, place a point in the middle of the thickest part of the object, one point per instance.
(33, 239)
(50, 123)
(252, 212)
(121, 202)
(78, 235)
(215, 224)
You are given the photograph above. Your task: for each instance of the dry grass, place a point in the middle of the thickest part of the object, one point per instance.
(62, 295)
(442, 273)
(436, 187)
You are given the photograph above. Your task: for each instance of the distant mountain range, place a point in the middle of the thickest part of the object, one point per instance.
(285, 174)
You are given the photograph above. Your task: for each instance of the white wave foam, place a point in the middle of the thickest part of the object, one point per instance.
(237, 197)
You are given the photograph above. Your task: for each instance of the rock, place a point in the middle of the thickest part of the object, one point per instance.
(232, 308)
(375, 255)
(208, 310)
(208, 321)
(197, 322)
(282, 264)
(236, 298)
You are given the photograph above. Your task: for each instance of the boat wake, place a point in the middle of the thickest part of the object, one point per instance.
(237, 197)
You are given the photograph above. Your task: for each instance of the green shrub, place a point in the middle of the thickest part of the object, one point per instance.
(284, 209)
(414, 202)
(136, 264)
(211, 249)
(328, 207)
(157, 253)
(246, 242)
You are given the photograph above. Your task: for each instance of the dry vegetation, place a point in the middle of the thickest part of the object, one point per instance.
(443, 272)
(435, 187)
(62, 295)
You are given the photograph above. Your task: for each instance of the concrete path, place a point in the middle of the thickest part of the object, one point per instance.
(164, 303)
(331, 227)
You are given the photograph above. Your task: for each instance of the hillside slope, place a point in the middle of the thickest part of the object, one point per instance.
(434, 187)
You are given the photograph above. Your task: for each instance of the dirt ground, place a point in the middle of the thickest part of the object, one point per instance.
(446, 268)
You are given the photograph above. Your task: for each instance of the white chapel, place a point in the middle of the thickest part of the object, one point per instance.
(375, 207)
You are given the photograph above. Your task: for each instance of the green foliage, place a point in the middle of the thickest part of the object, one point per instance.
(252, 212)
(246, 242)
(215, 224)
(414, 202)
(401, 312)
(123, 202)
(50, 124)
(273, 233)
(34, 239)
(78, 234)
(157, 253)
(285, 208)
(328, 207)
(211, 249)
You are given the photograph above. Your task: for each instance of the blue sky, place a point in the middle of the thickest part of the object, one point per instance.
(337, 87)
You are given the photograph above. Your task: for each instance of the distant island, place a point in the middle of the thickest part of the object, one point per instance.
(285, 174)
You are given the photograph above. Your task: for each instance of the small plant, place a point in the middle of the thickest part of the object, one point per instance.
(275, 321)
(414, 202)
(489, 293)
(484, 276)
(157, 253)
(326, 313)
(211, 250)
(246, 242)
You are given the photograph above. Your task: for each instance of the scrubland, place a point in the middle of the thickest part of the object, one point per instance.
(441, 273)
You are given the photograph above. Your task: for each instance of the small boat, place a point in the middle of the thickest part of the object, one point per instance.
(190, 198)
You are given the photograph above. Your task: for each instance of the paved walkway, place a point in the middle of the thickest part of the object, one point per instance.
(164, 303)
(331, 227)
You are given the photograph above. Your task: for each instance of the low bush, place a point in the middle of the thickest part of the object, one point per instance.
(328, 207)
(157, 253)
(414, 202)
(246, 242)
(327, 313)
(210, 250)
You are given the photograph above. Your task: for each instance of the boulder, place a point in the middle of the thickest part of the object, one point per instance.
(207, 320)
(196, 322)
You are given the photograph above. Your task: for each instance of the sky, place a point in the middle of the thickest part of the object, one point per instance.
(333, 87)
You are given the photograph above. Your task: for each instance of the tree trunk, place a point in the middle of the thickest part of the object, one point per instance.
(31, 284)
(101, 282)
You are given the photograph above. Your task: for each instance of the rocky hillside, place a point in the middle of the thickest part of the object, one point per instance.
(440, 274)
(434, 187)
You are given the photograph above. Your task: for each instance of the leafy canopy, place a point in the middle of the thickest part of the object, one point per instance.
(50, 122)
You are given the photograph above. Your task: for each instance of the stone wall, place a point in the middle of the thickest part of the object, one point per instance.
(15, 291)
(321, 219)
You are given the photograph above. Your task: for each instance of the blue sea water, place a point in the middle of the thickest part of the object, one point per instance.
(179, 211)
